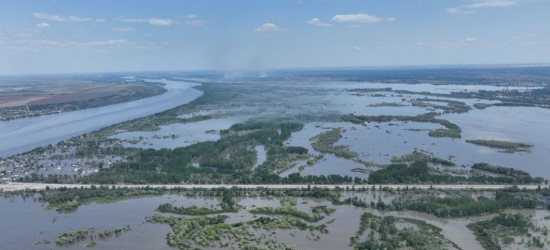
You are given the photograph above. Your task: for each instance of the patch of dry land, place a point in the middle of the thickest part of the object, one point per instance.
(22, 103)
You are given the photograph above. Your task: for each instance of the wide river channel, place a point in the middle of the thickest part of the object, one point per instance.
(21, 135)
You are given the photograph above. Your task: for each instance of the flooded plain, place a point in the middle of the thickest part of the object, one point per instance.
(376, 142)
(178, 135)
(19, 213)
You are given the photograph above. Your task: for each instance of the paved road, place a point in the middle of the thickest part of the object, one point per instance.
(39, 186)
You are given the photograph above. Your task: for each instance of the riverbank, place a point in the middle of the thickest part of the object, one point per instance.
(29, 133)
(19, 186)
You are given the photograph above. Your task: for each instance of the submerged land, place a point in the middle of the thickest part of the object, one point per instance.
(354, 159)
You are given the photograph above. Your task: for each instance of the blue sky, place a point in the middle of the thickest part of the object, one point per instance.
(79, 36)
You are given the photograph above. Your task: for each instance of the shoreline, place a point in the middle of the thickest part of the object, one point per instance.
(20, 186)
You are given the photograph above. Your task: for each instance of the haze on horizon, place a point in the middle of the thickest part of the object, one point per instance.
(62, 36)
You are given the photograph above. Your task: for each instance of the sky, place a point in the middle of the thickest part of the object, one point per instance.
(87, 36)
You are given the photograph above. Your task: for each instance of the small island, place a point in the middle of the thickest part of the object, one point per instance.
(387, 104)
(510, 147)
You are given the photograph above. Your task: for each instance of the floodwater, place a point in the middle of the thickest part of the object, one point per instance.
(423, 87)
(261, 155)
(179, 134)
(517, 124)
(19, 214)
(330, 164)
(18, 136)
(379, 142)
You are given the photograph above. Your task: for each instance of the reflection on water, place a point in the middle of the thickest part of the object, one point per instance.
(261, 155)
(19, 213)
(330, 164)
(517, 124)
(379, 142)
(179, 134)
(423, 87)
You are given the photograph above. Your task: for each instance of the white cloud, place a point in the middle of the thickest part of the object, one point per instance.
(478, 4)
(491, 3)
(458, 11)
(153, 21)
(266, 27)
(357, 48)
(191, 16)
(159, 21)
(69, 19)
(42, 25)
(122, 29)
(531, 35)
(317, 22)
(360, 18)
(420, 44)
(470, 39)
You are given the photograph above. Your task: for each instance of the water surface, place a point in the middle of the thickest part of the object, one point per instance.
(18, 136)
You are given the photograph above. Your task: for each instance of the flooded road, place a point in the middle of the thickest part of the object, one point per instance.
(18, 136)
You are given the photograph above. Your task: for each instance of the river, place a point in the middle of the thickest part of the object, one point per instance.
(21, 135)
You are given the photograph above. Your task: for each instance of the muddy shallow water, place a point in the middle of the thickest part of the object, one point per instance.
(19, 214)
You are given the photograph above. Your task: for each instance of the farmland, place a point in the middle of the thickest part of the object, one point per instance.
(42, 98)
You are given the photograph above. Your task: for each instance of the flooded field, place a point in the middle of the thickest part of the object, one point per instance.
(178, 135)
(19, 213)
(264, 133)
(379, 142)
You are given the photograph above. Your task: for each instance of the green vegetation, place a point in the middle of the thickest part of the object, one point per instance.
(509, 146)
(69, 238)
(501, 230)
(91, 245)
(271, 247)
(69, 206)
(296, 150)
(367, 90)
(361, 170)
(288, 207)
(325, 141)
(482, 105)
(175, 166)
(387, 104)
(451, 130)
(106, 194)
(323, 209)
(419, 156)
(193, 233)
(68, 200)
(519, 175)
(465, 205)
(420, 172)
(385, 234)
(228, 205)
(452, 106)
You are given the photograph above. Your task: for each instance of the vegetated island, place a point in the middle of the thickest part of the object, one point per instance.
(387, 104)
(506, 229)
(509, 147)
